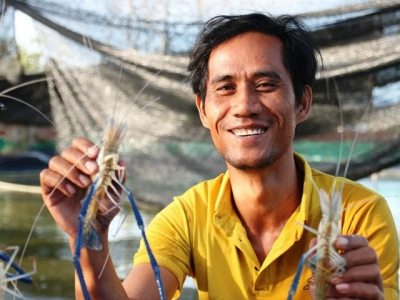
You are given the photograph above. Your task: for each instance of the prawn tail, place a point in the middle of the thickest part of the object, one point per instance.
(91, 238)
(87, 235)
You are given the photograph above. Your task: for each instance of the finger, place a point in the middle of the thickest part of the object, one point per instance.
(312, 283)
(349, 242)
(49, 181)
(86, 146)
(360, 256)
(66, 170)
(359, 290)
(313, 242)
(370, 274)
(364, 273)
(80, 160)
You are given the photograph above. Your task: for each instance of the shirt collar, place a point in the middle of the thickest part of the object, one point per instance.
(309, 201)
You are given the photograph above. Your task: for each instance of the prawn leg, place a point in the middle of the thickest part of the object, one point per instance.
(7, 263)
(140, 224)
(21, 275)
(296, 278)
(78, 242)
(324, 261)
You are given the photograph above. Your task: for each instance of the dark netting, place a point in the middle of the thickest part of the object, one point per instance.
(99, 60)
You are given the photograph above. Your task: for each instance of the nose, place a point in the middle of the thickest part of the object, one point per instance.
(246, 102)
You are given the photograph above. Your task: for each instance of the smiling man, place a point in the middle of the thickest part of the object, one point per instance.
(238, 235)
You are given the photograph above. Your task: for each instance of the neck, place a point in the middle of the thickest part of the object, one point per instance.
(264, 200)
(267, 188)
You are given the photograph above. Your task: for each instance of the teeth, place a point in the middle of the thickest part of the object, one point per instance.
(243, 132)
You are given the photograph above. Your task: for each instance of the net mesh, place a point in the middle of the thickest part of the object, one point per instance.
(98, 59)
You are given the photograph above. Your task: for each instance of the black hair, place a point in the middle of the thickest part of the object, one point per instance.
(299, 48)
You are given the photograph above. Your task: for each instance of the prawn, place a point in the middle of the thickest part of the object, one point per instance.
(6, 264)
(323, 258)
(103, 185)
(326, 262)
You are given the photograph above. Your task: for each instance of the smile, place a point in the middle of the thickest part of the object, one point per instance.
(247, 132)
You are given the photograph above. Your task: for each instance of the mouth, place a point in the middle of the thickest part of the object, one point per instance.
(248, 132)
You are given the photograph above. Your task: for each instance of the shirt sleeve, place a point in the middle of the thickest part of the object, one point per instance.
(168, 236)
(372, 218)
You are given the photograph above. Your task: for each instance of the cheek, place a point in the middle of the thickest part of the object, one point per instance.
(214, 114)
(204, 121)
(282, 111)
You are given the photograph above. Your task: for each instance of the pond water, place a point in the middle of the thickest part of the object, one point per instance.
(49, 245)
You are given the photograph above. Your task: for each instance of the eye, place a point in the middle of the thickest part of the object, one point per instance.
(266, 85)
(225, 87)
(225, 90)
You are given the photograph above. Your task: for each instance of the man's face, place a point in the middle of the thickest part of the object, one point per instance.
(250, 103)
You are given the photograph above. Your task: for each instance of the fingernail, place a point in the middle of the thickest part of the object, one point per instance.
(93, 151)
(91, 165)
(342, 241)
(84, 179)
(335, 280)
(70, 189)
(342, 287)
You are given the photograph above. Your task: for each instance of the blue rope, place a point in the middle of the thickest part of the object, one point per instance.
(6, 258)
(153, 261)
(296, 278)
(78, 241)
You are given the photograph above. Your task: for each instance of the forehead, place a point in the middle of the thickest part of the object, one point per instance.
(247, 53)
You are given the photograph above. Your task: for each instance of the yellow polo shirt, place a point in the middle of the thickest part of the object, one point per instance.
(200, 235)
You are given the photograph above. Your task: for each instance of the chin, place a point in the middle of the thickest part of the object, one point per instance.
(256, 165)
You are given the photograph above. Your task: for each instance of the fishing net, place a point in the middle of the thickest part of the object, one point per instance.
(99, 58)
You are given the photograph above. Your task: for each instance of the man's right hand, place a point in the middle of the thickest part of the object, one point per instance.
(65, 182)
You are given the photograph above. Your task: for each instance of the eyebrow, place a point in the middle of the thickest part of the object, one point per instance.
(271, 74)
(220, 78)
(266, 73)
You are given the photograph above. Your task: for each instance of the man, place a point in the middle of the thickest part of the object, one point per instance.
(238, 234)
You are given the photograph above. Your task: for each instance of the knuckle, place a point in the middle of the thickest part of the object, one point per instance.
(42, 174)
(374, 256)
(363, 240)
(369, 255)
(44, 178)
(81, 143)
(53, 162)
(78, 140)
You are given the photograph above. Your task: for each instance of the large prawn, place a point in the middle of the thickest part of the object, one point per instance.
(107, 184)
(323, 258)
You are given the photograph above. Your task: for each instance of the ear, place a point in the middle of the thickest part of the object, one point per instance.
(304, 108)
(202, 112)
